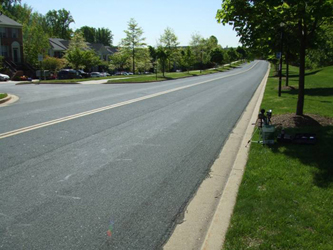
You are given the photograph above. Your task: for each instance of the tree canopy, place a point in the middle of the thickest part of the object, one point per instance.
(79, 55)
(169, 42)
(58, 23)
(99, 35)
(302, 20)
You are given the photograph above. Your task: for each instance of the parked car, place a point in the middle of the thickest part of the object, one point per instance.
(4, 77)
(95, 74)
(84, 74)
(69, 74)
(104, 74)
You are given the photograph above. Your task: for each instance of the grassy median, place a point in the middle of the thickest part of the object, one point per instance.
(171, 76)
(285, 199)
(3, 95)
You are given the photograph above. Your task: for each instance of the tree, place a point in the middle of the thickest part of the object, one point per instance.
(133, 39)
(35, 40)
(104, 36)
(201, 48)
(90, 59)
(75, 54)
(152, 53)
(53, 64)
(233, 55)
(216, 56)
(212, 43)
(169, 42)
(241, 51)
(119, 61)
(100, 35)
(303, 18)
(144, 62)
(58, 23)
(187, 58)
(197, 45)
(8, 4)
(162, 55)
(89, 33)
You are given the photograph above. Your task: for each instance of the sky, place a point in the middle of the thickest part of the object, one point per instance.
(185, 17)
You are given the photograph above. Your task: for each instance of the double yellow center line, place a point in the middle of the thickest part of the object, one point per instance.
(120, 104)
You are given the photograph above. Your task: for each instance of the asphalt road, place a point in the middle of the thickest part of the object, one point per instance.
(129, 169)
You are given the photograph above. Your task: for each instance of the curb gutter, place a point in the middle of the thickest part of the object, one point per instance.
(8, 100)
(5, 99)
(219, 226)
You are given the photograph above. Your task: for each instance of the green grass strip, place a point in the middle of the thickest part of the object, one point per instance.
(170, 76)
(285, 199)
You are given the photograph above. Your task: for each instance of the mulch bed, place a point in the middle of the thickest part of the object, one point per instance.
(297, 121)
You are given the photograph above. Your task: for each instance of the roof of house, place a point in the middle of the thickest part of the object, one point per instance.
(111, 50)
(5, 21)
(58, 44)
(99, 47)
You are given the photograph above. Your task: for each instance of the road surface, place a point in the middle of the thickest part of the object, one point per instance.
(111, 166)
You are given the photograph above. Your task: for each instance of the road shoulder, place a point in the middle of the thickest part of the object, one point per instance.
(207, 216)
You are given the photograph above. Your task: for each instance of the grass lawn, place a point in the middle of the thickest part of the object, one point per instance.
(172, 76)
(285, 199)
(3, 95)
(138, 78)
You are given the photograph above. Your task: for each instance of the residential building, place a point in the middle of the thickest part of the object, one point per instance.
(59, 46)
(11, 42)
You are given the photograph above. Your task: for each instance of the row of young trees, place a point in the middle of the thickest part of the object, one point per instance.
(136, 56)
(133, 53)
(300, 29)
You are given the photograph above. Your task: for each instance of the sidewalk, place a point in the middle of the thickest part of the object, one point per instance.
(102, 81)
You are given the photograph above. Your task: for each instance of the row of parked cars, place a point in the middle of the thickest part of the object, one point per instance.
(72, 74)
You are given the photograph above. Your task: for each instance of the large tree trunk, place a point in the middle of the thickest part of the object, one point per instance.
(300, 101)
(163, 68)
(287, 70)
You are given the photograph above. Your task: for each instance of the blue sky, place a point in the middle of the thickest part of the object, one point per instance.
(185, 17)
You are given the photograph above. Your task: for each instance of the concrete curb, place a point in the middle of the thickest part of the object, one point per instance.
(217, 231)
(8, 100)
(207, 216)
(5, 99)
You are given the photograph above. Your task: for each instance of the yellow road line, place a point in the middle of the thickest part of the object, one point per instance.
(71, 117)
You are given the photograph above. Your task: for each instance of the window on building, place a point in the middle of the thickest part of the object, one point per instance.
(14, 33)
(3, 32)
(4, 51)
